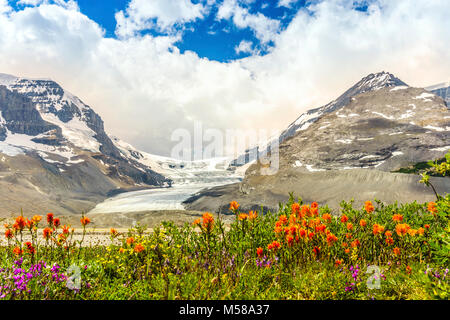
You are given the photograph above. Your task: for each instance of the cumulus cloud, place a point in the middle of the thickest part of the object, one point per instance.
(286, 3)
(244, 47)
(160, 14)
(265, 29)
(144, 88)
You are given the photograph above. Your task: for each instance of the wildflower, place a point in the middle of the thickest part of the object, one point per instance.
(121, 250)
(20, 223)
(208, 221)
(348, 235)
(65, 229)
(349, 226)
(243, 216)
(252, 215)
(326, 217)
(36, 219)
(139, 248)
(295, 208)
(377, 229)
(314, 205)
(130, 241)
(289, 240)
(234, 205)
(56, 222)
(397, 218)
(363, 223)
(427, 226)
(347, 250)
(389, 241)
(355, 243)
(401, 229)
(396, 251)
(321, 228)
(316, 251)
(283, 219)
(412, 232)
(421, 231)
(388, 234)
(368, 206)
(338, 262)
(50, 219)
(432, 207)
(274, 245)
(197, 222)
(30, 247)
(47, 232)
(305, 211)
(17, 251)
(85, 221)
(344, 218)
(113, 232)
(408, 269)
(302, 232)
(331, 238)
(344, 244)
(259, 251)
(8, 234)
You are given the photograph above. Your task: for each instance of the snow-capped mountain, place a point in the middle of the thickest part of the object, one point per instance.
(372, 82)
(64, 144)
(352, 147)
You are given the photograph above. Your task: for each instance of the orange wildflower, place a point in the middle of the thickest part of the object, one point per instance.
(397, 218)
(305, 211)
(331, 238)
(377, 229)
(314, 205)
(65, 229)
(234, 205)
(326, 217)
(47, 232)
(17, 251)
(289, 239)
(408, 269)
(50, 218)
(355, 243)
(363, 223)
(85, 221)
(259, 251)
(348, 235)
(396, 251)
(20, 223)
(8, 234)
(208, 221)
(388, 234)
(421, 231)
(139, 248)
(130, 241)
(30, 247)
(197, 221)
(344, 218)
(349, 226)
(401, 229)
(368, 206)
(347, 250)
(243, 216)
(321, 228)
(344, 244)
(295, 208)
(427, 226)
(113, 232)
(302, 232)
(338, 262)
(432, 207)
(56, 222)
(283, 219)
(252, 215)
(36, 219)
(389, 240)
(316, 251)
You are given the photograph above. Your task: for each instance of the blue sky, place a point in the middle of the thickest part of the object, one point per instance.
(208, 37)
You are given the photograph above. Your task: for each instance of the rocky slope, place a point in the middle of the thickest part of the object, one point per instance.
(55, 154)
(349, 148)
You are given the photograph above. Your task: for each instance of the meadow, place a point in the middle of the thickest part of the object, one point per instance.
(302, 251)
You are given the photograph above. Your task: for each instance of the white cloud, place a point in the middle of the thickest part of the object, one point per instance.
(144, 88)
(159, 14)
(265, 29)
(286, 3)
(244, 47)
